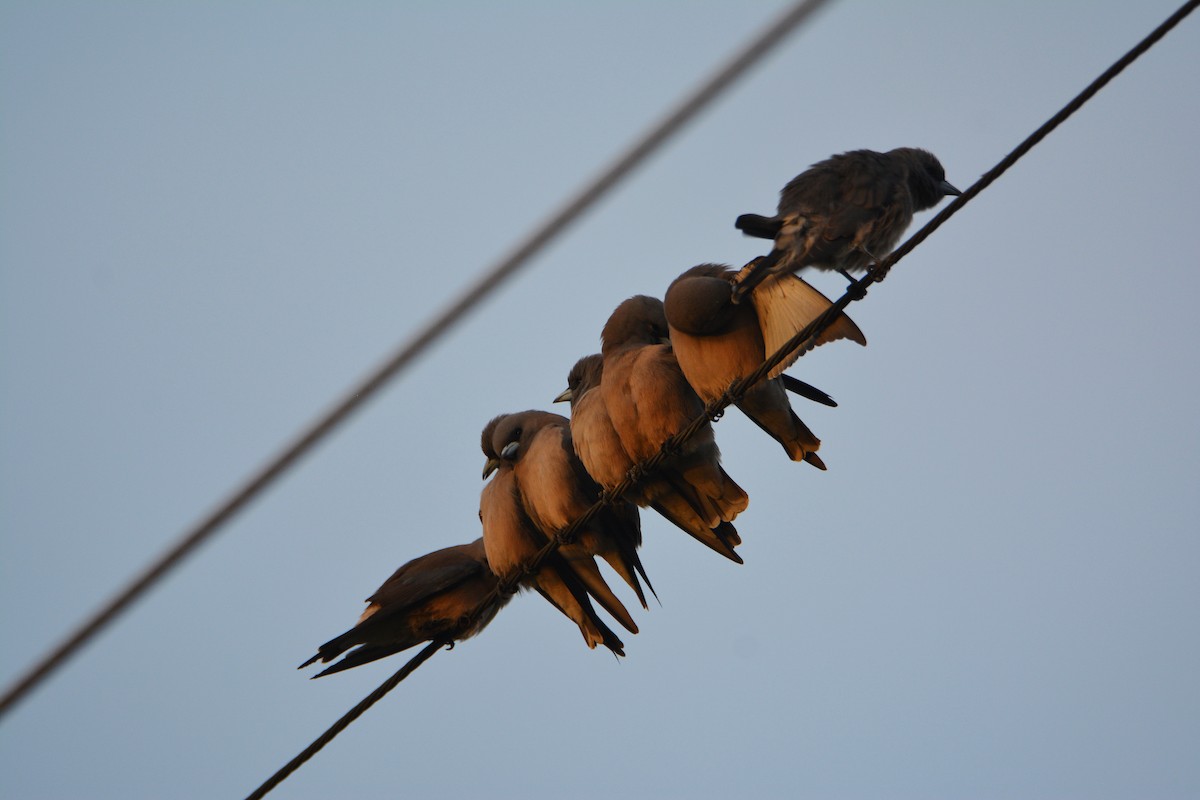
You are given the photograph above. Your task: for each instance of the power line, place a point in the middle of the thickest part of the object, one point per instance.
(736, 67)
(712, 411)
(1041, 133)
(351, 715)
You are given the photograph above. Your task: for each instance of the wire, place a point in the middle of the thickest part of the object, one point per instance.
(857, 291)
(736, 67)
(1041, 133)
(345, 721)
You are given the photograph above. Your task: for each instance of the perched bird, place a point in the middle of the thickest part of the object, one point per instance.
(717, 342)
(556, 490)
(599, 448)
(649, 400)
(428, 599)
(847, 211)
(527, 479)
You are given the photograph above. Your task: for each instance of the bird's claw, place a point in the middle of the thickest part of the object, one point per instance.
(854, 287)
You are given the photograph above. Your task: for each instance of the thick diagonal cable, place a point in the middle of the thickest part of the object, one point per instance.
(801, 340)
(346, 719)
(738, 65)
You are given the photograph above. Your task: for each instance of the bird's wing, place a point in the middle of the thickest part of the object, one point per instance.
(785, 304)
(865, 195)
(662, 398)
(424, 577)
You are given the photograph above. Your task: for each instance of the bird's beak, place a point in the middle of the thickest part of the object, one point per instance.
(948, 188)
(491, 466)
(565, 397)
(510, 451)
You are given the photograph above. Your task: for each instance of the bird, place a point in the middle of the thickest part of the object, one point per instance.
(526, 479)
(428, 599)
(599, 449)
(717, 342)
(846, 212)
(556, 490)
(649, 400)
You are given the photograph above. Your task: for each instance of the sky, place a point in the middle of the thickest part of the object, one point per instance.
(216, 217)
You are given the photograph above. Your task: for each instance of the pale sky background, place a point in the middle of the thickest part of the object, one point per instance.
(215, 217)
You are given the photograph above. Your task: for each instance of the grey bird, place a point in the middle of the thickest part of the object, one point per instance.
(717, 342)
(599, 449)
(847, 211)
(428, 599)
(524, 481)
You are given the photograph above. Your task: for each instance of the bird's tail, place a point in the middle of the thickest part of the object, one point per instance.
(559, 584)
(758, 226)
(767, 407)
(629, 566)
(364, 655)
(621, 526)
(721, 499)
(676, 510)
(589, 574)
(335, 647)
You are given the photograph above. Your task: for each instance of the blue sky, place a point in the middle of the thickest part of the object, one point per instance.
(214, 218)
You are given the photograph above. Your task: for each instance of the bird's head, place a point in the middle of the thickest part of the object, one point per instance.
(506, 437)
(639, 320)
(926, 177)
(582, 378)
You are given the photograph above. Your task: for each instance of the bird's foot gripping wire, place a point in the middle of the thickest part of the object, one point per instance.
(855, 287)
(877, 272)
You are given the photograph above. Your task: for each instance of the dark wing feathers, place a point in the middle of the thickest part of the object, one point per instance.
(421, 578)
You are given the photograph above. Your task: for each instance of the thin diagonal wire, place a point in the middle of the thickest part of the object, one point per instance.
(346, 719)
(738, 388)
(742, 61)
(1041, 133)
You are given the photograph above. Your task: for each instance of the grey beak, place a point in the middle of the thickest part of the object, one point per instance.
(491, 466)
(510, 451)
(565, 397)
(949, 189)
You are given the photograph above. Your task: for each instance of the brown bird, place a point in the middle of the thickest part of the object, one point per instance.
(557, 490)
(717, 342)
(599, 448)
(649, 400)
(426, 600)
(533, 483)
(847, 211)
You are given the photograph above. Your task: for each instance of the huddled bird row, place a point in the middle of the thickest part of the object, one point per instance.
(660, 362)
